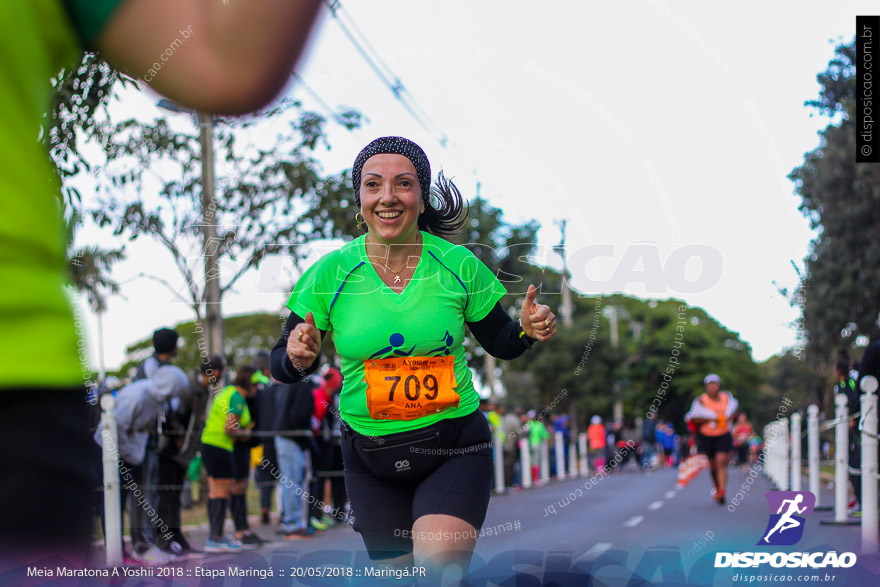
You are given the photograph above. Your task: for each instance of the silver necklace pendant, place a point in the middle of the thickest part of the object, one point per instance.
(397, 279)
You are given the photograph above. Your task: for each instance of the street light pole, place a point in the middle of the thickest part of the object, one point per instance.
(214, 333)
(213, 315)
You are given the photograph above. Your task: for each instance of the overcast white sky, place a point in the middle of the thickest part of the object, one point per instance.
(653, 126)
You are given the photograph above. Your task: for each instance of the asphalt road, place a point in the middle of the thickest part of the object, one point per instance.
(627, 529)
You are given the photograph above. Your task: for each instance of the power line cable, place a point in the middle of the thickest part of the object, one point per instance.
(374, 60)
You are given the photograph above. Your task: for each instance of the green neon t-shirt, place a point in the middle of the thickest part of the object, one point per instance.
(228, 401)
(368, 320)
(37, 40)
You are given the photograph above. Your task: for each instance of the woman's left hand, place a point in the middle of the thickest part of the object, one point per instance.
(537, 320)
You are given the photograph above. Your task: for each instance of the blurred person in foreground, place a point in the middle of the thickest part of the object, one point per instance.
(711, 412)
(239, 56)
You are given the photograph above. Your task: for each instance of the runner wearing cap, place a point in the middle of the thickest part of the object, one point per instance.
(712, 413)
(417, 452)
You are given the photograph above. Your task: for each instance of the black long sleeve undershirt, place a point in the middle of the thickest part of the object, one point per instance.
(281, 366)
(497, 333)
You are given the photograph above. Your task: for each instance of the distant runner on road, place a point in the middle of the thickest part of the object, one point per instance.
(712, 412)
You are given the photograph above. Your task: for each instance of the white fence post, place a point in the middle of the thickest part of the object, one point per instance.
(525, 463)
(869, 465)
(112, 507)
(583, 465)
(841, 451)
(813, 451)
(559, 450)
(572, 459)
(498, 455)
(544, 469)
(785, 455)
(796, 451)
(767, 452)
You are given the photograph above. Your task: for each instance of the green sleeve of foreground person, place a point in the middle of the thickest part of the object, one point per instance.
(38, 40)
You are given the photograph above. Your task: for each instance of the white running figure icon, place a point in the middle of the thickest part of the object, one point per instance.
(785, 522)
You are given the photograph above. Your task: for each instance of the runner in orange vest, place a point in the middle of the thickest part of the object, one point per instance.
(712, 412)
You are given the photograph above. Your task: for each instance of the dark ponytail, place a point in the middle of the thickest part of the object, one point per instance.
(445, 210)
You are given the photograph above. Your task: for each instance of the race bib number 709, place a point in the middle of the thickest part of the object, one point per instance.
(406, 388)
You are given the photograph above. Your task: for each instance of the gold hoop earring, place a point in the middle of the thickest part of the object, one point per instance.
(362, 222)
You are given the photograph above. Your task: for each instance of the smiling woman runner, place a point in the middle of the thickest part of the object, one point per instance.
(417, 452)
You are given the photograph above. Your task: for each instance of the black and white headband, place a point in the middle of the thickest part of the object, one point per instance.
(396, 146)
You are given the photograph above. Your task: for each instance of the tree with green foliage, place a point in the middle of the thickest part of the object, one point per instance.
(842, 201)
(82, 97)
(267, 194)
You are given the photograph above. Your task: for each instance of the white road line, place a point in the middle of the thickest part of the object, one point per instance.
(669, 494)
(656, 505)
(634, 521)
(596, 551)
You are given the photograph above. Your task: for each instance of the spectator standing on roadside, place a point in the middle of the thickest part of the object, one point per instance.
(137, 406)
(295, 404)
(649, 440)
(229, 422)
(741, 433)
(164, 352)
(165, 348)
(179, 443)
(537, 435)
(847, 386)
(597, 438)
(328, 456)
(263, 407)
(511, 429)
(561, 424)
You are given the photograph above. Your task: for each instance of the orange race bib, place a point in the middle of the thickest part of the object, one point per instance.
(406, 388)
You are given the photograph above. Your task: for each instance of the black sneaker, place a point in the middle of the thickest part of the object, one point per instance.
(249, 540)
